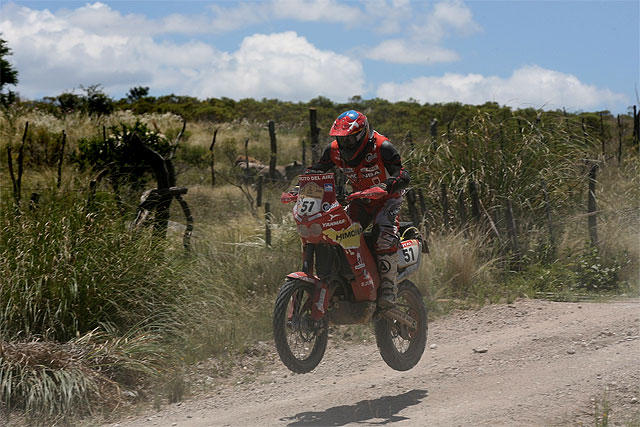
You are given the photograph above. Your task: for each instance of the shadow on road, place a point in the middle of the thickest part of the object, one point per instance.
(384, 408)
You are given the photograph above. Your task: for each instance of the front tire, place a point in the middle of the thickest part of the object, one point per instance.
(300, 341)
(402, 347)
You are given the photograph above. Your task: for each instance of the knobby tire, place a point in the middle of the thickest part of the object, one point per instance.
(282, 326)
(387, 335)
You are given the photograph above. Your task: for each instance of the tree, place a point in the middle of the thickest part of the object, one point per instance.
(8, 76)
(69, 102)
(137, 93)
(97, 101)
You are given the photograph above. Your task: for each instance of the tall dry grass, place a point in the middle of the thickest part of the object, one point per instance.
(78, 278)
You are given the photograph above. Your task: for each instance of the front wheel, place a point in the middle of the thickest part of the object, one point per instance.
(300, 341)
(400, 346)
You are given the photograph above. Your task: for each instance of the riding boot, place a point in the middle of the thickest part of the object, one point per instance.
(388, 268)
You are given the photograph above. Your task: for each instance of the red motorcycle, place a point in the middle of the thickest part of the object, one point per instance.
(339, 281)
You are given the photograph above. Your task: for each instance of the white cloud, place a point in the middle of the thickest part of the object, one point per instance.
(285, 66)
(425, 33)
(58, 52)
(316, 10)
(529, 86)
(448, 17)
(401, 51)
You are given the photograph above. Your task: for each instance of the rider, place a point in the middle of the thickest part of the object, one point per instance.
(368, 159)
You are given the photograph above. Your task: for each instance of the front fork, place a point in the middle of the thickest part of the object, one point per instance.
(321, 295)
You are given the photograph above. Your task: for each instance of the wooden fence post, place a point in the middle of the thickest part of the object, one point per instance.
(636, 127)
(273, 161)
(213, 158)
(315, 135)
(267, 222)
(592, 206)
(259, 195)
(64, 141)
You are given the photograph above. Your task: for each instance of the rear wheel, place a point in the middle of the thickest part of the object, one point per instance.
(300, 341)
(400, 346)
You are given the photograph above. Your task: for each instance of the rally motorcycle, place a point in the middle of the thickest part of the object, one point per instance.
(339, 281)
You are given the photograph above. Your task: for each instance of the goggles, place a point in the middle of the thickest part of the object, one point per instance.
(350, 141)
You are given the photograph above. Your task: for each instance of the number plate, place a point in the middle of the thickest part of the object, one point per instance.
(409, 253)
(308, 206)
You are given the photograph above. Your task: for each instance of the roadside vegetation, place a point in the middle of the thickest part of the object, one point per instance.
(93, 312)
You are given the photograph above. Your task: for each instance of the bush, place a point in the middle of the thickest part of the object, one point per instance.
(596, 274)
(120, 152)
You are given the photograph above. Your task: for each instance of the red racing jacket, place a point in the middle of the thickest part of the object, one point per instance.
(379, 163)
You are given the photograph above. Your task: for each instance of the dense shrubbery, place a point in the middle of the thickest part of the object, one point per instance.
(119, 151)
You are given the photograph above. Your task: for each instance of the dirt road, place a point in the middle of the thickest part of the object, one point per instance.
(531, 363)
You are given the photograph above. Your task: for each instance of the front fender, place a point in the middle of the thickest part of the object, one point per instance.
(301, 275)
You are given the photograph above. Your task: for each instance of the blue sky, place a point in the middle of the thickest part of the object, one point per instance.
(577, 55)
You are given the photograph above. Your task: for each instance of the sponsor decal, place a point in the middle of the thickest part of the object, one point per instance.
(320, 304)
(360, 264)
(331, 216)
(371, 157)
(384, 266)
(370, 175)
(309, 178)
(311, 189)
(411, 242)
(373, 168)
(368, 280)
(332, 223)
(326, 206)
(328, 188)
(347, 238)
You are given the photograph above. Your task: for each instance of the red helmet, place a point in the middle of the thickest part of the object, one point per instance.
(352, 131)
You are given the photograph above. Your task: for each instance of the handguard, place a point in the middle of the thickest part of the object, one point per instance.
(372, 193)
